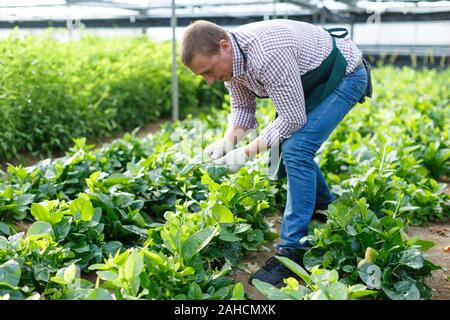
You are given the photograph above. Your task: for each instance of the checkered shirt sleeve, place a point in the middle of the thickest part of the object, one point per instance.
(279, 52)
(243, 106)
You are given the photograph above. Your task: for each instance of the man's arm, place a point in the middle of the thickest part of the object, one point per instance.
(242, 117)
(236, 133)
(283, 84)
(241, 120)
(236, 158)
(256, 146)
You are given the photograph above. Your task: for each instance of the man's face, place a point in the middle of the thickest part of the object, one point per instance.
(215, 67)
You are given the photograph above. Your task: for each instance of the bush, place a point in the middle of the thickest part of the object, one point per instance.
(52, 91)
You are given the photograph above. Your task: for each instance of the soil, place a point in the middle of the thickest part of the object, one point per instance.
(438, 232)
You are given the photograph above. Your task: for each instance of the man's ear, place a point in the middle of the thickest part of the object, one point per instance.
(225, 45)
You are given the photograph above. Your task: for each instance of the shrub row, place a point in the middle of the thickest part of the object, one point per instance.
(52, 91)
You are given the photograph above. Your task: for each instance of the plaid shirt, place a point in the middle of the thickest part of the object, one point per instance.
(278, 53)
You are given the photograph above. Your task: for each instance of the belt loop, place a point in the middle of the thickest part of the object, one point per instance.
(331, 30)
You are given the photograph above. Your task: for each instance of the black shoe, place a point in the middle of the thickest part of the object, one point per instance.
(273, 271)
(320, 216)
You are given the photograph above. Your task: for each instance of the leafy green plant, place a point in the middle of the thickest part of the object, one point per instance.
(90, 87)
(154, 225)
(321, 284)
(353, 233)
(28, 263)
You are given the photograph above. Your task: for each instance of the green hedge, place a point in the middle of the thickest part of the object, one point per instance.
(52, 91)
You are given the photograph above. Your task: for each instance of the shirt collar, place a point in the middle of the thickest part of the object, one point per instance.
(238, 59)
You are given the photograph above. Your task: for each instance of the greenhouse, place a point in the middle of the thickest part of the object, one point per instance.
(224, 150)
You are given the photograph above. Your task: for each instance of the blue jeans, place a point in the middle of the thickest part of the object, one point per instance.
(306, 183)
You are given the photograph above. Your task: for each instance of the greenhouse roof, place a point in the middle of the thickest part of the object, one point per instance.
(107, 9)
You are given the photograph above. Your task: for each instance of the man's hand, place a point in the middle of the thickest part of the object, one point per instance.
(234, 160)
(219, 148)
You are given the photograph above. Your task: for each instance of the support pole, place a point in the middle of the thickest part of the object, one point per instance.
(175, 111)
(352, 29)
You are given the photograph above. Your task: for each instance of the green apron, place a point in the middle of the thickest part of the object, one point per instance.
(317, 84)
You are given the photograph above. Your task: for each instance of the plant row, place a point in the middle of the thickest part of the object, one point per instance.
(52, 91)
(152, 224)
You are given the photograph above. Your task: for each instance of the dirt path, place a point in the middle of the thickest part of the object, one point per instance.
(439, 233)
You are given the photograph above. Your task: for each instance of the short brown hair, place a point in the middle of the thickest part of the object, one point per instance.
(201, 37)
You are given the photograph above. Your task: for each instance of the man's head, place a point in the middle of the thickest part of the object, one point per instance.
(206, 50)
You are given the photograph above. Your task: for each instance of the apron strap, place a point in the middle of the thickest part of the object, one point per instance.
(331, 30)
(244, 56)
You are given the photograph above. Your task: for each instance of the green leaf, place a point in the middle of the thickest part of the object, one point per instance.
(10, 273)
(258, 195)
(39, 228)
(111, 247)
(188, 168)
(227, 193)
(424, 245)
(70, 273)
(238, 292)
(226, 235)
(116, 178)
(270, 291)
(43, 213)
(403, 290)
(294, 267)
(4, 229)
(348, 268)
(337, 291)
(241, 227)
(79, 246)
(226, 267)
(134, 265)
(351, 231)
(155, 258)
(123, 200)
(358, 291)
(25, 199)
(412, 258)
(39, 212)
(90, 182)
(216, 172)
(197, 242)
(99, 266)
(136, 230)
(408, 208)
(108, 275)
(8, 193)
(222, 213)
(206, 179)
(61, 229)
(194, 292)
(82, 208)
(370, 274)
(310, 259)
(100, 294)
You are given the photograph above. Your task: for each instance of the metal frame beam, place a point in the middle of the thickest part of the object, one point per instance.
(142, 22)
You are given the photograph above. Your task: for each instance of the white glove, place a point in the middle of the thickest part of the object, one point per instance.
(234, 160)
(219, 148)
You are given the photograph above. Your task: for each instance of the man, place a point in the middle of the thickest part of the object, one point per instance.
(313, 78)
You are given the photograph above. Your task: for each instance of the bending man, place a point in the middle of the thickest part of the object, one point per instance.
(313, 77)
